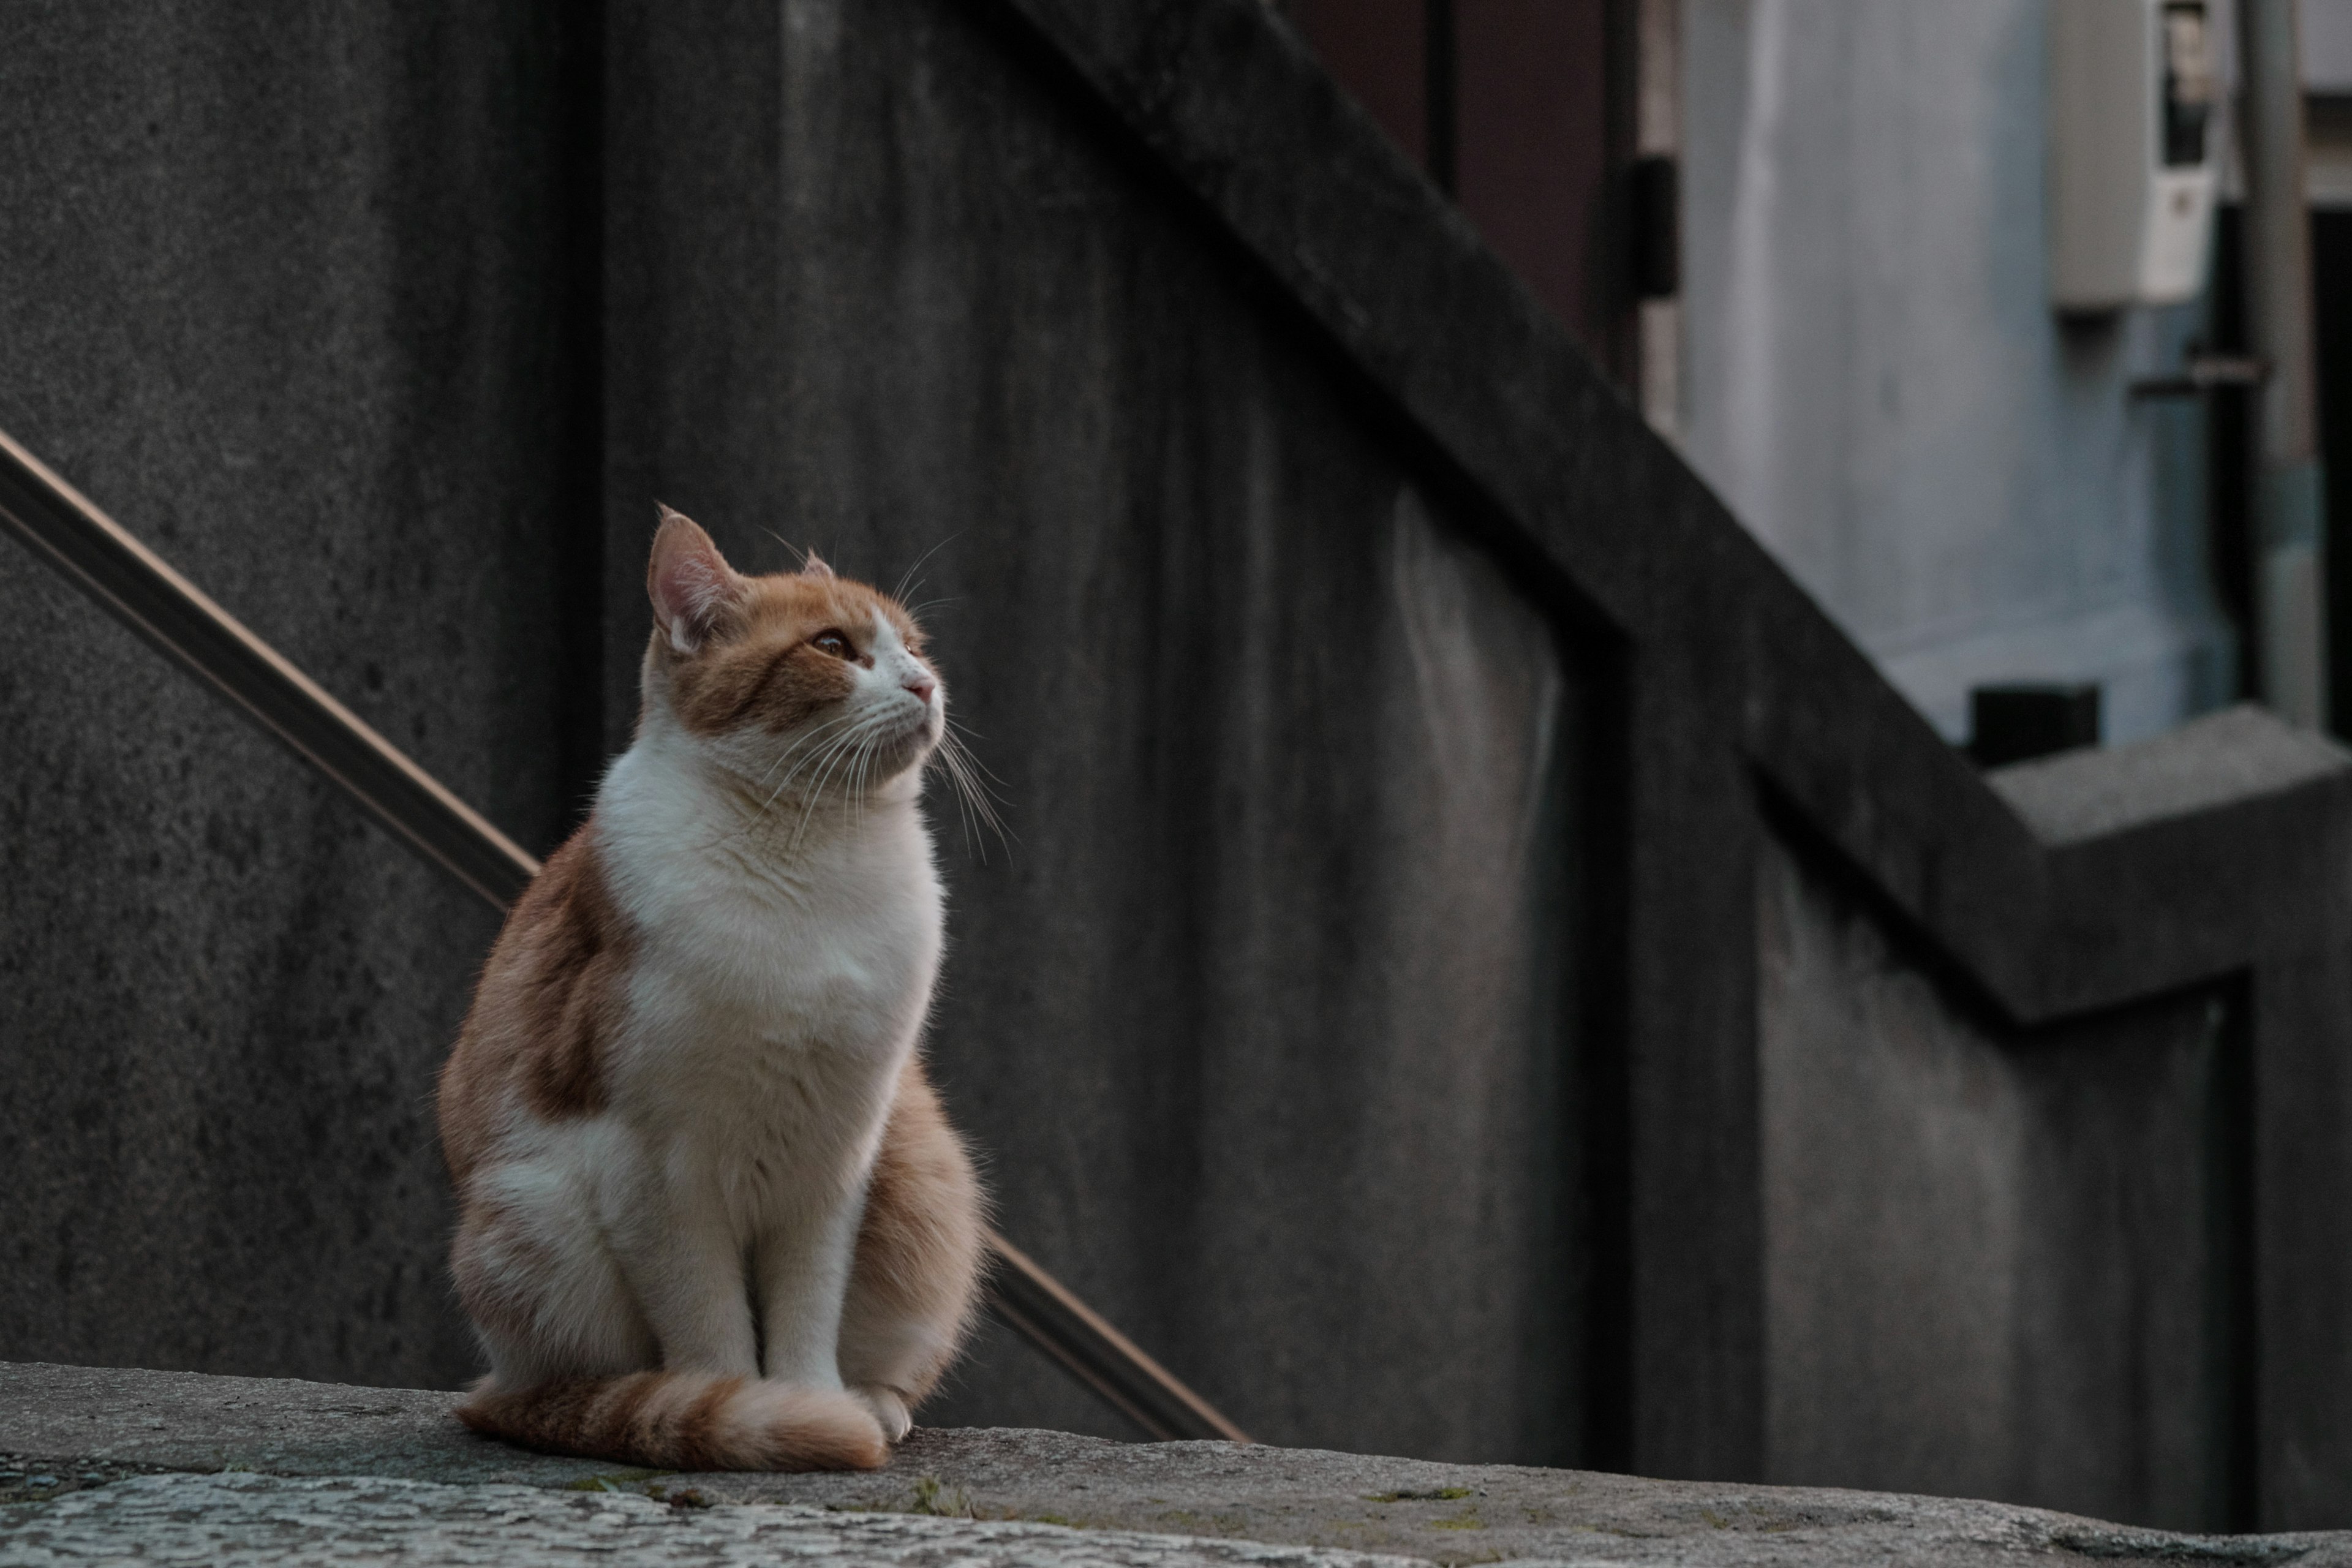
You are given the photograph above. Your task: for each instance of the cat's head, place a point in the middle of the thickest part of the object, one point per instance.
(800, 682)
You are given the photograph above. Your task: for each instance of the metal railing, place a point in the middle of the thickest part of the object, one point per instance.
(136, 586)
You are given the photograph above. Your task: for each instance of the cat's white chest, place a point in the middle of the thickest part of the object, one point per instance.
(847, 970)
(840, 971)
(773, 994)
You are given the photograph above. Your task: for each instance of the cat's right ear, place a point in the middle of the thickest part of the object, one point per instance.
(690, 583)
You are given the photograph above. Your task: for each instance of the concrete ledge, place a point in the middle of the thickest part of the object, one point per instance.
(2239, 754)
(100, 1463)
(252, 1518)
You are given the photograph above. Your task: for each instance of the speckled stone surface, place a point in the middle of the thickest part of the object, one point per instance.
(100, 1464)
(243, 1519)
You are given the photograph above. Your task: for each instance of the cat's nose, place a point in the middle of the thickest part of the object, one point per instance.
(922, 685)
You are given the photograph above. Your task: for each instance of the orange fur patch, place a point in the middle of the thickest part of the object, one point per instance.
(682, 1421)
(549, 1001)
(759, 667)
(918, 1257)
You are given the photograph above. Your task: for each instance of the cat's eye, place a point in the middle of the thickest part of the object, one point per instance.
(832, 642)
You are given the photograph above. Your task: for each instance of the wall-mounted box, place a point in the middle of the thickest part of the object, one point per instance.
(2133, 107)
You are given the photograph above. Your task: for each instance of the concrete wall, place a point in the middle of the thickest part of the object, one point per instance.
(1998, 1263)
(1255, 1015)
(273, 291)
(1876, 383)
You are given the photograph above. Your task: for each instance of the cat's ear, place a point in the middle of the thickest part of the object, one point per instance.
(815, 566)
(690, 583)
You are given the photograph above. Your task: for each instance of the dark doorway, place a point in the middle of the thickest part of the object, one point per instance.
(2331, 298)
(1522, 111)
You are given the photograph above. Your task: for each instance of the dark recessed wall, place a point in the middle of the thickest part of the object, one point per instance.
(2331, 299)
(1377, 49)
(1521, 110)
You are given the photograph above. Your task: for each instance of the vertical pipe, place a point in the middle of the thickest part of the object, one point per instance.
(2289, 575)
(1440, 86)
(1657, 135)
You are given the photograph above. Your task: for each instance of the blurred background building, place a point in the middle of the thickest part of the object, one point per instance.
(1853, 336)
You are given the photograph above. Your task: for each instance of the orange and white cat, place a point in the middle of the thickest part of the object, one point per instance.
(712, 1215)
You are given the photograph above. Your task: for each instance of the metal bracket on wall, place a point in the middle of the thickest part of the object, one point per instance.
(137, 587)
(2204, 372)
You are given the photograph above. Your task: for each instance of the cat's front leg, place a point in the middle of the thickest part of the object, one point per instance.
(685, 1268)
(916, 1281)
(801, 1268)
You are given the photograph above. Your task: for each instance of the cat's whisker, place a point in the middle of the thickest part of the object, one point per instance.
(802, 741)
(799, 744)
(943, 758)
(768, 805)
(909, 577)
(818, 762)
(983, 807)
(985, 797)
(785, 782)
(853, 789)
(816, 796)
(808, 808)
(803, 552)
(854, 722)
(976, 828)
(760, 816)
(972, 796)
(789, 546)
(972, 842)
(864, 772)
(959, 734)
(817, 790)
(822, 766)
(752, 823)
(975, 771)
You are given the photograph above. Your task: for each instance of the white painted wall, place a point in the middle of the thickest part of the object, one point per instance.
(1875, 382)
(2327, 45)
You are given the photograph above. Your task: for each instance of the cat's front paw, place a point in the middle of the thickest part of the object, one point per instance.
(888, 1409)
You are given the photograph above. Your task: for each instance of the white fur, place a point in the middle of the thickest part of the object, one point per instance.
(789, 924)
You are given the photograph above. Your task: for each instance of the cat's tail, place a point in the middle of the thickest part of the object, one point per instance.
(683, 1421)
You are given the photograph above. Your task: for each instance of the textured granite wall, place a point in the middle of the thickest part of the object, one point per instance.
(1255, 1016)
(275, 290)
(1998, 1263)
